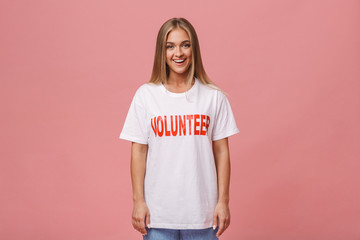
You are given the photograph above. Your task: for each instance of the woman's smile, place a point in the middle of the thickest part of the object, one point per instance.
(179, 62)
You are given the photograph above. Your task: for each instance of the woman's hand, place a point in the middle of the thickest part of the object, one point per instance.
(222, 212)
(140, 216)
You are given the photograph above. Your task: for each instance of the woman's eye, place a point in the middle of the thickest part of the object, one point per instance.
(185, 45)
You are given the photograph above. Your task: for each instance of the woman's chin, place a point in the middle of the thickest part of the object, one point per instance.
(180, 71)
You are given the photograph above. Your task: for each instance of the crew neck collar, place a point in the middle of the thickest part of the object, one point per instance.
(173, 94)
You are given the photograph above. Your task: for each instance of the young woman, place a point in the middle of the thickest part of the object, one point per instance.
(179, 123)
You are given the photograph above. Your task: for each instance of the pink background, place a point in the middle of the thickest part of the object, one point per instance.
(70, 68)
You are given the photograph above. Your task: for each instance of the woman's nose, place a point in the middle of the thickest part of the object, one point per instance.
(178, 51)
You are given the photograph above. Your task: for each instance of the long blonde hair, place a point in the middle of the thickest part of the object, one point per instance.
(160, 70)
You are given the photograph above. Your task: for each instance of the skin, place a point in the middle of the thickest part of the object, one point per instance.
(222, 162)
(178, 49)
(140, 213)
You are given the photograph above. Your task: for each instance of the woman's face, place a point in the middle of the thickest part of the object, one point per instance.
(178, 48)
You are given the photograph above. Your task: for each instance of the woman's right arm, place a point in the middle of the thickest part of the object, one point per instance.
(140, 214)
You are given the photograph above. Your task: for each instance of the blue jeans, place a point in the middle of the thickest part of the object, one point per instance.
(180, 234)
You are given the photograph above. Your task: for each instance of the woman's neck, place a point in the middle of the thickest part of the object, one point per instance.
(177, 79)
(177, 84)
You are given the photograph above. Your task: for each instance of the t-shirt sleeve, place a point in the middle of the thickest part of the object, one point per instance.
(134, 128)
(224, 124)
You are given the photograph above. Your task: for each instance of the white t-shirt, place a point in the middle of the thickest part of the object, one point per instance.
(180, 185)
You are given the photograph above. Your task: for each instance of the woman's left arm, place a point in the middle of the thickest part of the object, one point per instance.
(222, 162)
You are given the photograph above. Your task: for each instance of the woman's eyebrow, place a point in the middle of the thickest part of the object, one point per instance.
(181, 42)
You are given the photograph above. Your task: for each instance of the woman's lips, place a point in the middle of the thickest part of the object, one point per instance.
(181, 63)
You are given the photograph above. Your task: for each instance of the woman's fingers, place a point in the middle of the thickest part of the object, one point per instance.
(224, 224)
(147, 220)
(142, 226)
(139, 224)
(221, 228)
(140, 215)
(215, 221)
(222, 211)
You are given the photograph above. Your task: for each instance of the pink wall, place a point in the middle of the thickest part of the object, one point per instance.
(68, 70)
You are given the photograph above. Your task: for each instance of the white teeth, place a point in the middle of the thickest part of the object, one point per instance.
(179, 61)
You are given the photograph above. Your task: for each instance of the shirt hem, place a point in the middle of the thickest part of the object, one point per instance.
(132, 139)
(228, 134)
(181, 226)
